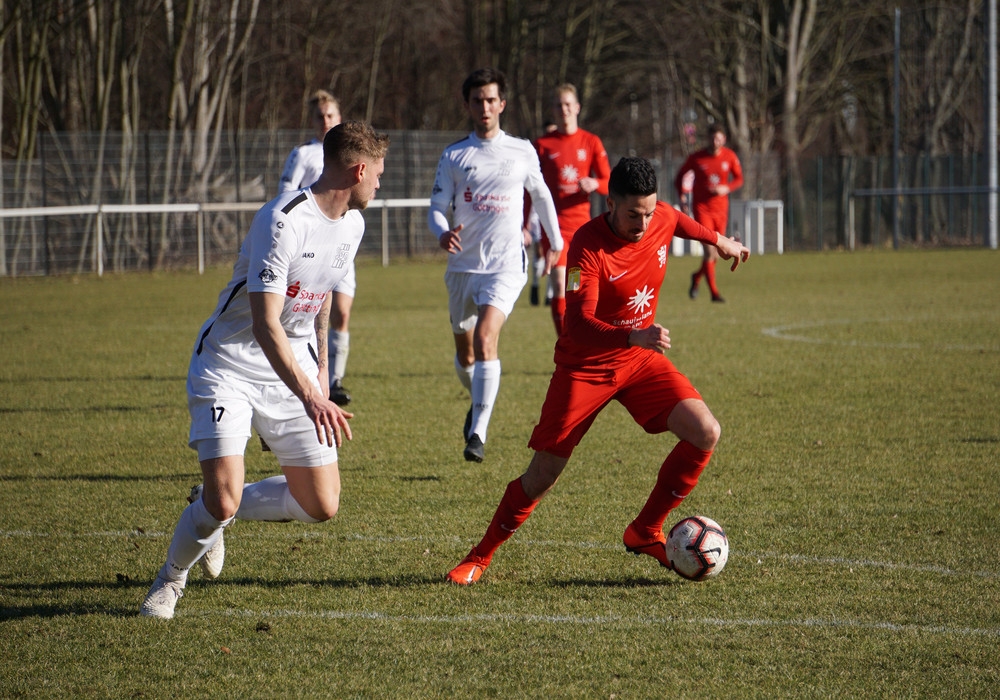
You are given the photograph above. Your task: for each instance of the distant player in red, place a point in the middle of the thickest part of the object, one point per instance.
(574, 165)
(717, 172)
(612, 348)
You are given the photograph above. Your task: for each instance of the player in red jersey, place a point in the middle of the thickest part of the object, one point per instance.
(717, 172)
(574, 165)
(612, 348)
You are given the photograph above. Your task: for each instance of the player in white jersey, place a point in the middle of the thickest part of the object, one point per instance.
(302, 168)
(482, 179)
(255, 366)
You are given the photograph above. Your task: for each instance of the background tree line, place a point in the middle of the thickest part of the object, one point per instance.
(795, 77)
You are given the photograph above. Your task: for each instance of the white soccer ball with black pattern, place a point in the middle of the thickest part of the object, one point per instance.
(697, 548)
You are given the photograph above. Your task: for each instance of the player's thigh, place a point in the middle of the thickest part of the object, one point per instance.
(500, 290)
(221, 410)
(281, 420)
(571, 404)
(462, 308)
(652, 389)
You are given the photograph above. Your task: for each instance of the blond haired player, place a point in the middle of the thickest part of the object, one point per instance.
(302, 168)
(259, 362)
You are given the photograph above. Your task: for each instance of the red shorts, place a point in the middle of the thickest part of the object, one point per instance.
(712, 218)
(649, 389)
(546, 247)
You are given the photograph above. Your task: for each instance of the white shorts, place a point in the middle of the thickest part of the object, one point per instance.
(349, 284)
(467, 291)
(224, 408)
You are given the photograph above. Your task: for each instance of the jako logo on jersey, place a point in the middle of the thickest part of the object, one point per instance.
(309, 255)
(267, 275)
(293, 290)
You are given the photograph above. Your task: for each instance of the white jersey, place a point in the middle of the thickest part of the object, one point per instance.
(483, 181)
(302, 167)
(292, 249)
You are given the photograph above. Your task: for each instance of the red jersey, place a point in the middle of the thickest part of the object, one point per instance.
(709, 171)
(565, 158)
(612, 287)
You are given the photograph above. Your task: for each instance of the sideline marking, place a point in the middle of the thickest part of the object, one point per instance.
(783, 333)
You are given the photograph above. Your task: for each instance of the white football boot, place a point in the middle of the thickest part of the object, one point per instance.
(161, 599)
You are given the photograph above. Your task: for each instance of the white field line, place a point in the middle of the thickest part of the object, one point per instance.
(600, 621)
(760, 557)
(786, 332)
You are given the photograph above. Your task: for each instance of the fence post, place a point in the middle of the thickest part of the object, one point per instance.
(99, 242)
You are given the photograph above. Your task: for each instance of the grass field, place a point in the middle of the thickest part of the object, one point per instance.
(858, 478)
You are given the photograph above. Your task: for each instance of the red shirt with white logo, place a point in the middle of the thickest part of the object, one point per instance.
(565, 158)
(613, 286)
(711, 170)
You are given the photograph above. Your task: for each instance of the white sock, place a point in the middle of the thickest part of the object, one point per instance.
(537, 270)
(271, 500)
(485, 386)
(194, 535)
(338, 347)
(464, 374)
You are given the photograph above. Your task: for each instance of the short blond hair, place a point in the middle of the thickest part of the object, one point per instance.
(321, 98)
(351, 141)
(565, 88)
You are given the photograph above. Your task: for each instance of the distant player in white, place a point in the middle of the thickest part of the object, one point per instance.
(254, 364)
(482, 178)
(302, 168)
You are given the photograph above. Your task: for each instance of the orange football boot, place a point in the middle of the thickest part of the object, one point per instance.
(469, 570)
(655, 547)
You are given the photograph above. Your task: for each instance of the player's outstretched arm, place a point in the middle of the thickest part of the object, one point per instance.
(732, 249)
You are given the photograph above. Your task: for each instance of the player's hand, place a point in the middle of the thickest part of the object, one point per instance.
(655, 337)
(551, 258)
(588, 184)
(732, 249)
(330, 420)
(451, 241)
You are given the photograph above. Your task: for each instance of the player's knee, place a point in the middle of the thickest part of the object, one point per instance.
(221, 506)
(324, 509)
(709, 434)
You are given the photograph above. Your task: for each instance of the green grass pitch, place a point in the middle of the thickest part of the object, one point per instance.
(858, 478)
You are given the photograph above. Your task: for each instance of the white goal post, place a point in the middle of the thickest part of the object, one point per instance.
(746, 222)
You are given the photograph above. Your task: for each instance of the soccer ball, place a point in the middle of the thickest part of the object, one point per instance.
(697, 548)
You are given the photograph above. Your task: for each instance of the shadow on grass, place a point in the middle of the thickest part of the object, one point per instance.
(88, 409)
(616, 583)
(191, 477)
(33, 591)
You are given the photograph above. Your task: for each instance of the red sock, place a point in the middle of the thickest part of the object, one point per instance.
(710, 277)
(514, 509)
(677, 478)
(558, 313)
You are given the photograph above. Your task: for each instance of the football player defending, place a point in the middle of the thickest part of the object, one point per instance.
(574, 165)
(302, 168)
(611, 348)
(254, 364)
(717, 172)
(483, 178)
